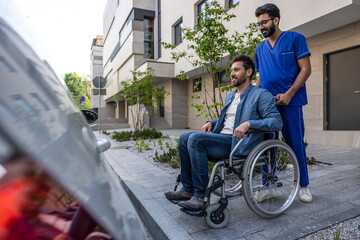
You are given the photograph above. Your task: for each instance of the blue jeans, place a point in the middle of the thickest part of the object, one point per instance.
(195, 149)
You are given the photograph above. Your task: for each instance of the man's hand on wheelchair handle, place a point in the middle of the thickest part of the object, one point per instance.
(207, 127)
(241, 130)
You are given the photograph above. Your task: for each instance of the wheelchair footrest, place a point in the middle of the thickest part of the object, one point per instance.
(197, 213)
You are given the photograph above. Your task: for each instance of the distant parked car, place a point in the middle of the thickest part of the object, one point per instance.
(51, 165)
(90, 116)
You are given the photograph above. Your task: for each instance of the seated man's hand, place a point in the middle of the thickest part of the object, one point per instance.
(207, 127)
(241, 130)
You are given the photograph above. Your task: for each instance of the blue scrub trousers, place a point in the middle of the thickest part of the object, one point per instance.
(293, 132)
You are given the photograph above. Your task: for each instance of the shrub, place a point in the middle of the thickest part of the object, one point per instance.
(147, 147)
(122, 136)
(136, 135)
(146, 134)
(311, 160)
(171, 157)
(140, 146)
(106, 133)
(160, 142)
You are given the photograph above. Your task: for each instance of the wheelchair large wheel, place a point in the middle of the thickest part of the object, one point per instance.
(271, 178)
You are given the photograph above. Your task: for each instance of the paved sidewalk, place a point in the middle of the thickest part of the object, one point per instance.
(335, 188)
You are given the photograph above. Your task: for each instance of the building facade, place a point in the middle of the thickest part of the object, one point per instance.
(96, 70)
(134, 30)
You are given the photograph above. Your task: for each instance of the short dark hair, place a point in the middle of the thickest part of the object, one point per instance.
(247, 62)
(268, 8)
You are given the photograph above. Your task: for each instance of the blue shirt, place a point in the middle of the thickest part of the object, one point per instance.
(256, 106)
(278, 66)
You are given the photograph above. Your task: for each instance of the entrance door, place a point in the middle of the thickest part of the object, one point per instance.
(343, 90)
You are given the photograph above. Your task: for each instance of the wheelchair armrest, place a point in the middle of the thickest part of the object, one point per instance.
(250, 131)
(257, 131)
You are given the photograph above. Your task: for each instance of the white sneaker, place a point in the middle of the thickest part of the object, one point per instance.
(305, 194)
(262, 195)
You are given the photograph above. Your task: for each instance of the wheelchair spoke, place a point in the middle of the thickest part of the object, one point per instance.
(271, 177)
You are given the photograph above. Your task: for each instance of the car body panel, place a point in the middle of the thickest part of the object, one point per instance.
(39, 118)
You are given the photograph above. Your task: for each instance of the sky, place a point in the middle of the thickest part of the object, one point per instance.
(60, 31)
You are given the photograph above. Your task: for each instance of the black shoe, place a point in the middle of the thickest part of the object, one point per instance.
(178, 195)
(194, 204)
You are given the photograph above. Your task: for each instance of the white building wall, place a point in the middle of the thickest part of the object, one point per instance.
(96, 70)
(294, 14)
(114, 19)
(334, 40)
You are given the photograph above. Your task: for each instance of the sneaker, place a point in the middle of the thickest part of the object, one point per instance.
(265, 194)
(178, 195)
(194, 204)
(305, 194)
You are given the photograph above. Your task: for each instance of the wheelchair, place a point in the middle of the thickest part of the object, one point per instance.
(270, 170)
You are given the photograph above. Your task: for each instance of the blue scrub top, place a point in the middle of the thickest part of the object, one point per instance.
(278, 66)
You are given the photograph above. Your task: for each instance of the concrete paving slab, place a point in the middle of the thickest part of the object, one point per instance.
(335, 189)
(321, 173)
(255, 236)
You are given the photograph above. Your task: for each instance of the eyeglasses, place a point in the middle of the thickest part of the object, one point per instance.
(263, 22)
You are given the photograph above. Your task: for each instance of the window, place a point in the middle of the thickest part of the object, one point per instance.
(161, 108)
(201, 8)
(159, 28)
(23, 107)
(178, 36)
(39, 102)
(97, 57)
(5, 65)
(233, 2)
(148, 38)
(125, 31)
(197, 85)
(7, 112)
(224, 78)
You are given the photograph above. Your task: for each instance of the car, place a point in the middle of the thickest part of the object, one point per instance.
(47, 149)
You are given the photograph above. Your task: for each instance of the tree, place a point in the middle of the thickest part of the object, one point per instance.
(140, 93)
(209, 47)
(78, 86)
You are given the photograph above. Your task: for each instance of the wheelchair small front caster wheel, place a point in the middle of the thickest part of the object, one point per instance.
(214, 220)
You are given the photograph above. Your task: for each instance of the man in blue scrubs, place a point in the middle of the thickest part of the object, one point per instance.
(283, 64)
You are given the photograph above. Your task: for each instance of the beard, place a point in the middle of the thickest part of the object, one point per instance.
(239, 81)
(270, 31)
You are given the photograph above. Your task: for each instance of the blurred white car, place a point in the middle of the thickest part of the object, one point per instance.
(46, 144)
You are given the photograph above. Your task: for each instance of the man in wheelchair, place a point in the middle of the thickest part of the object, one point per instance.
(246, 107)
